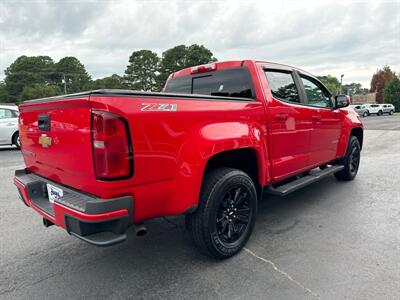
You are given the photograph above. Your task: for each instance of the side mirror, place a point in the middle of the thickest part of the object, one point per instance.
(342, 101)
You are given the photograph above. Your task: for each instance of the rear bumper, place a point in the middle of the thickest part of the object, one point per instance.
(101, 222)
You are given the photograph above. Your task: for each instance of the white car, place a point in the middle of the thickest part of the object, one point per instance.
(361, 109)
(9, 125)
(374, 109)
(388, 109)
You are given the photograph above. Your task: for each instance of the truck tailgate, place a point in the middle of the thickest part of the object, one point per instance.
(56, 140)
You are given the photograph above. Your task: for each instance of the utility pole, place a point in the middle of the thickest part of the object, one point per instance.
(65, 84)
(341, 81)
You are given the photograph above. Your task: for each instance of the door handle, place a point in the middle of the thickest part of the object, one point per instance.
(316, 118)
(282, 117)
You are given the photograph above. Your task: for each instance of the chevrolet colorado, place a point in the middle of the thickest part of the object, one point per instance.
(208, 146)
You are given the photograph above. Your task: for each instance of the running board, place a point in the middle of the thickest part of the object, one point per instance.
(297, 184)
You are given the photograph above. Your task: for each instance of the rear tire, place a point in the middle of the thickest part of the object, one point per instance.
(351, 161)
(380, 113)
(365, 114)
(391, 112)
(226, 214)
(16, 141)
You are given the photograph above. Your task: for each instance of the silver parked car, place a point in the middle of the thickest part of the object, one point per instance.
(361, 109)
(9, 125)
(388, 109)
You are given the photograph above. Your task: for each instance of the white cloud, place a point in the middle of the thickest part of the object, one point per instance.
(323, 37)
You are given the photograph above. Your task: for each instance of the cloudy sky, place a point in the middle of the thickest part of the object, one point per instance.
(353, 38)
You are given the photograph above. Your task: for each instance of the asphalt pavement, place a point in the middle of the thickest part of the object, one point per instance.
(331, 240)
(385, 122)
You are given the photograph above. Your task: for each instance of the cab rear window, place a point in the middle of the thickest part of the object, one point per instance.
(235, 82)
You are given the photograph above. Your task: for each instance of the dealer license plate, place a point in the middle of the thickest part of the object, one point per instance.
(54, 193)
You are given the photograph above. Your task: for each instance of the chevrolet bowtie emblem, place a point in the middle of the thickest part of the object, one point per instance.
(45, 141)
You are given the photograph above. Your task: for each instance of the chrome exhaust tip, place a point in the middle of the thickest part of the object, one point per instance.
(140, 230)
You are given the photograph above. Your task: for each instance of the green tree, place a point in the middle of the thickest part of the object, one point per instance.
(39, 90)
(391, 92)
(331, 83)
(73, 71)
(353, 88)
(28, 70)
(3, 93)
(111, 82)
(180, 57)
(142, 70)
(380, 80)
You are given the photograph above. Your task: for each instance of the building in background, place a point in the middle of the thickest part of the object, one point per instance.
(363, 98)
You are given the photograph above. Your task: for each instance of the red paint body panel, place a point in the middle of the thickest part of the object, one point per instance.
(171, 148)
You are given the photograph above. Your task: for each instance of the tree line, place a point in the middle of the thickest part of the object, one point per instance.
(385, 83)
(30, 77)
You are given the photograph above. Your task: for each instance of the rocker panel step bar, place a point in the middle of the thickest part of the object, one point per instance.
(297, 184)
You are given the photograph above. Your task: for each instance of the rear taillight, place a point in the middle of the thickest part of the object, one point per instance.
(112, 150)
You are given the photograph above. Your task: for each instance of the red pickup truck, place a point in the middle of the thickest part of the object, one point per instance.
(218, 137)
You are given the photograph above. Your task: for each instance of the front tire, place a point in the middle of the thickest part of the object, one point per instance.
(380, 113)
(16, 141)
(391, 112)
(226, 214)
(351, 161)
(365, 114)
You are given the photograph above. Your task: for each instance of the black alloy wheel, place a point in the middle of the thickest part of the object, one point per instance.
(233, 215)
(354, 160)
(225, 217)
(351, 161)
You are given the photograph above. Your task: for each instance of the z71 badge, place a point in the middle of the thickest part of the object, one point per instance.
(159, 107)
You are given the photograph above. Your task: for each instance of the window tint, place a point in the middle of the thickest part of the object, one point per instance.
(5, 113)
(374, 105)
(316, 95)
(179, 85)
(235, 82)
(282, 85)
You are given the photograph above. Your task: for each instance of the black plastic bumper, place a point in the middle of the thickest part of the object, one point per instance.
(100, 232)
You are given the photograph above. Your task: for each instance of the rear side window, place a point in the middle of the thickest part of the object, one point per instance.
(5, 113)
(235, 82)
(282, 85)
